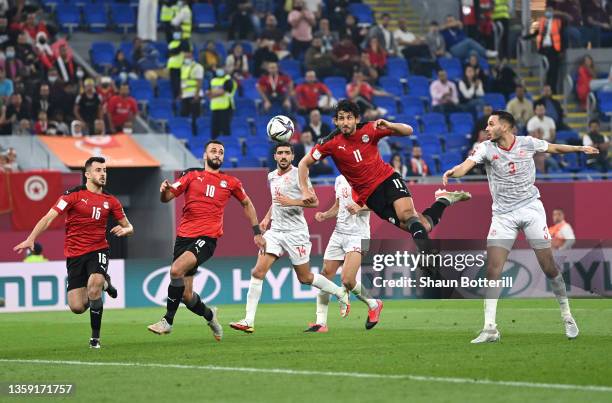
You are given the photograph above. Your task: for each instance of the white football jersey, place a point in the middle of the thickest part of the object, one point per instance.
(288, 218)
(347, 223)
(511, 172)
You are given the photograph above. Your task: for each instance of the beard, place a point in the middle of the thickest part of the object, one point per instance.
(213, 164)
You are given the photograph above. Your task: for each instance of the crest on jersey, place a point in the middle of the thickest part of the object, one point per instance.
(223, 184)
(392, 220)
(521, 153)
(105, 205)
(365, 138)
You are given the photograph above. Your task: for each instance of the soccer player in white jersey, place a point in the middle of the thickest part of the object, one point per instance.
(345, 249)
(511, 174)
(288, 233)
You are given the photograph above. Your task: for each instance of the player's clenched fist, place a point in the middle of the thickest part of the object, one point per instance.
(309, 197)
(165, 186)
(319, 216)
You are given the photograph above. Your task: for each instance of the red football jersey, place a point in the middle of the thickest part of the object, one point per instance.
(357, 158)
(86, 219)
(206, 194)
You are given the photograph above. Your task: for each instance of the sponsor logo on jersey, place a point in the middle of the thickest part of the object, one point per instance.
(105, 205)
(84, 200)
(365, 138)
(342, 147)
(223, 184)
(316, 154)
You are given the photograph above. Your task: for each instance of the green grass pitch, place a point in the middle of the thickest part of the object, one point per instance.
(416, 348)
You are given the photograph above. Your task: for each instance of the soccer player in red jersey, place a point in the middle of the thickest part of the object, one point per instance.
(88, 209)
(207, 192)
(354, 148)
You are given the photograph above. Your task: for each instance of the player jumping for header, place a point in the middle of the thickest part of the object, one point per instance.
(207, 192)
(288, 233)
(511, 173)
(88, 209)
(354, 148)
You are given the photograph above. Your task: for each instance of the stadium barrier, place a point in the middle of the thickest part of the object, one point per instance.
(144, 283)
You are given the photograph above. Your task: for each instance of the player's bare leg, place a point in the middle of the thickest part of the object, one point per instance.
(496, 259)
(262, 266)
(549, 267)
(305, 276)
(95, 287)
(352, 262)
(180, 267)
(330, 268)
(78, 300)
(194, 303)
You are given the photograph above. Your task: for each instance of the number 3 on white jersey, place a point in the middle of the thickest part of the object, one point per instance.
(357, 155)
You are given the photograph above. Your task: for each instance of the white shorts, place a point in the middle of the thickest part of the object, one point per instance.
(531, 219)
(296, 244)
(341, 244)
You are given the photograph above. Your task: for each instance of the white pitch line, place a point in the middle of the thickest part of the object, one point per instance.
(284, 371)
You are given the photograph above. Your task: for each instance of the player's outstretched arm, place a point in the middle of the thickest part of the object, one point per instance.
(289, 202)
(40, 227)
(265, 222)
(356, 208)
(458, 171)
(398, 129)
(308, 195)
(251, 213)
(165, 194)
(124, 228)
(565, 149)
(321, 216)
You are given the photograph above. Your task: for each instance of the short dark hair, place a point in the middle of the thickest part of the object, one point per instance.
(209, 142)
(505, 116)
(91, 160)
(594, 121)
(346, 106)
(37, 249)
(282, 144)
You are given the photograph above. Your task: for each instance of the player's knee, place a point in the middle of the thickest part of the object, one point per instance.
(348, 282)
(78, 309)
(176, 271)
(405, 215)
(187, 295)
(305, 278)
(258, 272)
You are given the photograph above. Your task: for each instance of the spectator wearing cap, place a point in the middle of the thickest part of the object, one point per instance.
(121, 108)
(302, 21)
(88, 106)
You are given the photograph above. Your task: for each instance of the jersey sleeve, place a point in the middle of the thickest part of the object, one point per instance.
(117, 209)
(337, 187)
(320, 151)
(539, 146)
(378, 134)
(64, 202)
(238, 190)
(179, 187)
(479, 154)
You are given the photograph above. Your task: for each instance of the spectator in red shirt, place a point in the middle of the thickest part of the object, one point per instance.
(360, 92)
(42, 124)
(122, 108)
(309, 94)
(345, 55)
(377, 55)
(30, 27)
(275, 88)
(106, 90)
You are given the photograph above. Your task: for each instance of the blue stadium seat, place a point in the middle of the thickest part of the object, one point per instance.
(567, 136)
(204, 19)
(402, 142)
(160, 109)
(574, 163)
(412, 105)
(245, 108)
(418, 86)
(431, 164)
(496, 100)
(127, 47)
(141, 90)
(337, 85)
(203, 127)
(249, 90)
(389, 103)
(102, 54)
(430, 145)
(248, 161)
(456, 142)
(450, 159)
(604, 101)
(434, 123)
(362, 12)
(392, 85)
(95, 18)
(50, 5)
(329, 120)
(259, 148)
(461, 122)
(68, 17)
(162, 49)
(123, 17)
(409, 120)
(180, 127)
(452, 66)
(291, 67)
(397, 67)
(164, 89)
(240, 128)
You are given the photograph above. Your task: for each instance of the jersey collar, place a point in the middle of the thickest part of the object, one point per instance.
(511, 145)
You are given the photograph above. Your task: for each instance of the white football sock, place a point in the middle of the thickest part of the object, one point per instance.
(558, 286)
(490, 308)
(253, 296)
(326, 285)
(362, 295)
(322, 307)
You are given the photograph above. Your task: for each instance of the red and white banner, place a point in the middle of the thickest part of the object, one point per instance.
(33, 194)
